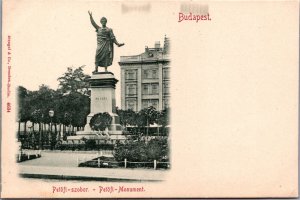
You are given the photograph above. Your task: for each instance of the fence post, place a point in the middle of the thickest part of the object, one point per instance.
(99, 162)
(20, 157)
(125, 162)
(154, 164)
(28, 156)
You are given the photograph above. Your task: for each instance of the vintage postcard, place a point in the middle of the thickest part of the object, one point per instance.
(149, 99)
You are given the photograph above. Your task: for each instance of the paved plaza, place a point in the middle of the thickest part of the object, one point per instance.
(59, 159)
(61, 165)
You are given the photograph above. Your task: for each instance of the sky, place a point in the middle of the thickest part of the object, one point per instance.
(47, 41)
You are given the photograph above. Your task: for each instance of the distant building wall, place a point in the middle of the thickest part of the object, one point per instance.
(145, 78)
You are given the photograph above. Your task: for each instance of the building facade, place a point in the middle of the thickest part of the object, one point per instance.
(145, 78)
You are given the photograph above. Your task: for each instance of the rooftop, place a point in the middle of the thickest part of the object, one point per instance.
(156, 54)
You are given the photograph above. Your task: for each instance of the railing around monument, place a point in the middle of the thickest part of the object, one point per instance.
(98, 163)
(27, 154)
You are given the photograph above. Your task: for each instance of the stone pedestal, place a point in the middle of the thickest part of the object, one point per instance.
(103, 99)
(103, 86)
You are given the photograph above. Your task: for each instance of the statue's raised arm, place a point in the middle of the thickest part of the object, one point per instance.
(92, 21)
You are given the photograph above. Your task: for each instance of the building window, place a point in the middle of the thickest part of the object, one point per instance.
(154, 89)
(145, 103)
(131, 89)
(154, 73)
(130, 75)
(154, 103)
(166, 73)
(150, 73)
(150, 88)
(131, 104)
(166, 88)
(147, 73)
(146, 88)
(150, 102)
(166, 103)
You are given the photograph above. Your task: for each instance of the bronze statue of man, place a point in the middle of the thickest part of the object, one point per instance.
(105, 44)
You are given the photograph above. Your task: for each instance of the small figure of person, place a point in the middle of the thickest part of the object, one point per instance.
(105, 40)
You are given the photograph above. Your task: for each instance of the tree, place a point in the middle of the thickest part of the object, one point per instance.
(23, 104)
(74, 81)
(67, 119)
(146, 117)
(36, 117)
(163, 118)
(43, 100)
(73, 109)
(34, 106)
(70, 102)
(74, 88)
(127, 117)
(23, 113)
(31, 101)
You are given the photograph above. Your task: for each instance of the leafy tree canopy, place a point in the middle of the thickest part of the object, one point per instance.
(127, 117)
(70, 102)
(74, 80)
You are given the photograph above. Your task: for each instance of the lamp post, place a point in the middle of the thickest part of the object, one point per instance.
(51, 114)
(31, 135)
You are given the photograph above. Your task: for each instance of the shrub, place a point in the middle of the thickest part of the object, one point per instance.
(90, 144)
(140, 151)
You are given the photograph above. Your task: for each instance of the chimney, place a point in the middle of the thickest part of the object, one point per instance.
(157, 45)
(166, 45)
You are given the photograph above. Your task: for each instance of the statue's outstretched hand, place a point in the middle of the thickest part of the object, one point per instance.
(121, 44)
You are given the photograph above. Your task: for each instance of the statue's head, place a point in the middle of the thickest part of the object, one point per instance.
(103, 21)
